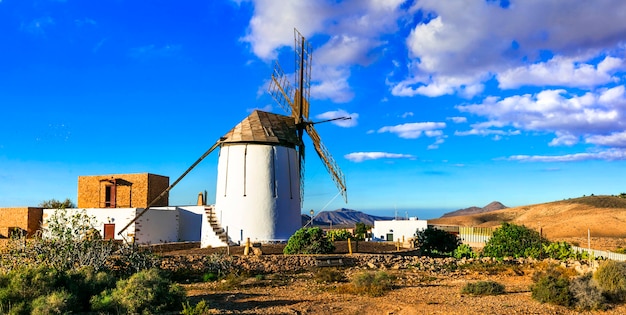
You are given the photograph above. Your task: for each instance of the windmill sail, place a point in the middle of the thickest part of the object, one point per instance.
(329, 162)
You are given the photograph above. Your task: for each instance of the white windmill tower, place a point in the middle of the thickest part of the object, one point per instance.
(260, 176)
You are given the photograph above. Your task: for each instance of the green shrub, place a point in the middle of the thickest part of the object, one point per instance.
(309, 241)
(329, 275)
(483, 288)
(587, 294)
(611, 278)
(464, 251)
(432, 241)
(57, 302)
(144, 292)
(512, 240)
(339, 235)
(372, 284)
(551, 286)
(562, 251)
(199, 309)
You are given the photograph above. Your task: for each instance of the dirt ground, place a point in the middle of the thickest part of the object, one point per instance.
(415, 292)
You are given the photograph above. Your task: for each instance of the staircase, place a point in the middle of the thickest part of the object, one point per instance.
(219, 231)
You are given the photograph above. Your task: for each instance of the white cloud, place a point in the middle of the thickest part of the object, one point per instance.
(557, 111)
(610, 155)
(460, 45)
(415, 130)
(560, 71)
(615, 139)
(407, 114)
(564, 139)
(363, 156)
(354, 30)
(458, 120)
(339, 114)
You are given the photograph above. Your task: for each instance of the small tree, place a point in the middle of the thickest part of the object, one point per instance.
(434, 241)
(309, 241)
(360, 230)
(57, 204)
(512, 240)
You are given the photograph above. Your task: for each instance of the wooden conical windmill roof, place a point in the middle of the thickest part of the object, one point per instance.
(266, 128)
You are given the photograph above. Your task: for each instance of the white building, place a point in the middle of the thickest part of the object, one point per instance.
(394, 230)
(157, 225)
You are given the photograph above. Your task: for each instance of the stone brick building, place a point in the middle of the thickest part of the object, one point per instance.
(121, 190)
(22, 220)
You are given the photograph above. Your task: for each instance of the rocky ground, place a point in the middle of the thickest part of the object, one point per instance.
(288, 285)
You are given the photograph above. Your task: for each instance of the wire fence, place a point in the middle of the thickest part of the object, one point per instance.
(601, 253)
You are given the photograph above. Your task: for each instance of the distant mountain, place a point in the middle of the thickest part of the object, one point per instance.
(342, 217)
(475, 210)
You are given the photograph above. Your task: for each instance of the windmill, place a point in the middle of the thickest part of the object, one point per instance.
(261, 166)
(296, 102)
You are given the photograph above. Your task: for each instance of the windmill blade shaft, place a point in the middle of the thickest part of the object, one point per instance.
(167, 190)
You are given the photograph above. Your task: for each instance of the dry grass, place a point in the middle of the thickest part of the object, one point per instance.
(604, 216)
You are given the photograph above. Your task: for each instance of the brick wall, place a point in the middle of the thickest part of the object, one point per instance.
(145, 187)
(28, 219)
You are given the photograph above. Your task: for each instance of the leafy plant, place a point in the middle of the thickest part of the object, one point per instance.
(483, 288)
(329, 275)
(552, 286)
(360, 231)
(512, 240)
(309, 241)
(464, 251)
(200, 308)
(372, 284)
(433, 241)
(144, 292)
(339, 235)
(562, 251)
(587, 294)
(57, 204)
(611, 278)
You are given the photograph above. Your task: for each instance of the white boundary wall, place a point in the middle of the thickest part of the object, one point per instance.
(159, 225)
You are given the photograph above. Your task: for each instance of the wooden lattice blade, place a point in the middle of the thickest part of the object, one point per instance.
(330, 164)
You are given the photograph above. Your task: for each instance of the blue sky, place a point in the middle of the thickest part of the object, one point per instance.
(454, 103)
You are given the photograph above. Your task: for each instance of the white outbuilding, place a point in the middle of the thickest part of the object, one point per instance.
(394, 230)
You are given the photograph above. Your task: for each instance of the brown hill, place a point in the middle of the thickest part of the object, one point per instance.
(604, 216)
(496, 205)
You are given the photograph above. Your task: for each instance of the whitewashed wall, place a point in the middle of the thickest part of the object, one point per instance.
(258, 192)
(401, 229)
(190, 223)
(155, 226)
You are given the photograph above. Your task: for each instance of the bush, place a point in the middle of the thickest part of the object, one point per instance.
(586, 294)
(483, 288)
(201, 308)
(57, 302)
(329, 275)
(611, 278)
(551, 286)
(372, 284)
(339, 235)
(144, 292)
(432, 241)
(464, 251)
(309, 241)
(562, 251)
(512, 240)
